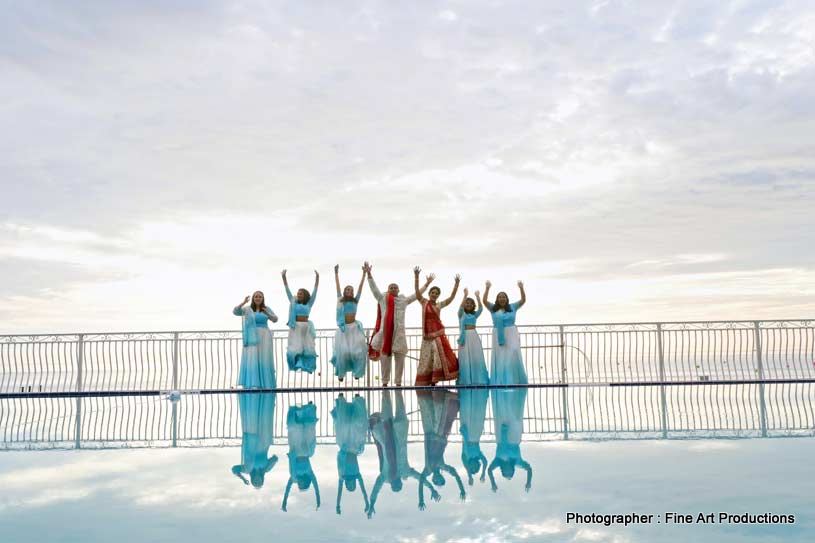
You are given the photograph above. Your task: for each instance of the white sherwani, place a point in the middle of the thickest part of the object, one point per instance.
(399, 304)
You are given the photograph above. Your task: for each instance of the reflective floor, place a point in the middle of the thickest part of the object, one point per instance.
(446, 465)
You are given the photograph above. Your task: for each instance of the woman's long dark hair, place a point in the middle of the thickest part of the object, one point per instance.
(262, 302)
(474, 306)
(495, 307)
(347, 298)
(306, 298)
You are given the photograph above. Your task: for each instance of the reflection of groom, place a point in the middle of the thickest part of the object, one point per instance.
(388, 340)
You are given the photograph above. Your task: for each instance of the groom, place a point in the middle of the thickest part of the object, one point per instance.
(388, 340)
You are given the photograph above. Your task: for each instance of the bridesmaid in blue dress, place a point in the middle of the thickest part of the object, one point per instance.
(472, 369)
(350, 344)
(300, 353)
(390, 436)
(439, 410)
(508, 412)
(351, 429)
(301, 422)
(507, 364)
(257, 358)
(471, 424)
(257, 426)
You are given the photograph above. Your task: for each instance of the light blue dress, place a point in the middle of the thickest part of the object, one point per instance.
(301, 424)
(351, 429)
(508, 410)
(506, 364)
(350, 344)
(257, 426)
(257, 369)
(300, 353)
(472, 368)
(473, 407)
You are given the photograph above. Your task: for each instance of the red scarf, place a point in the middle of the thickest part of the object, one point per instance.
(387, 345)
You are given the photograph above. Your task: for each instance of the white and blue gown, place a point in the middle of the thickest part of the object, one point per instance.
(508, 411)
(473, 411)
(507, 363)
(257, 357)
(439, 410)
(301, 425)
(257, 427)
(350, 344)
(351, 430)
(472, 368)
(300, 353)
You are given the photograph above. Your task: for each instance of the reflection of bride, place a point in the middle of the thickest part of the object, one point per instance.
(301, 422)
(508, 410)
(439, 409)
(257, 425)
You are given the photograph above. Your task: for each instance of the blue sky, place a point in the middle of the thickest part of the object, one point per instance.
(629, 161)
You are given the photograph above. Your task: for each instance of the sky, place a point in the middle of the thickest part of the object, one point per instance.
(629, 161)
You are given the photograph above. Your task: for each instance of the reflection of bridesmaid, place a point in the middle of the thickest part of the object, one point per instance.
(439, 410)
(351, 428)
(473, 411)
(257, 426)
(390, 436)
(301, 423)
(508, 410)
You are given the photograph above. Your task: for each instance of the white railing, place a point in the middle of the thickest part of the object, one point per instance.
(604, 412)
(557, 354)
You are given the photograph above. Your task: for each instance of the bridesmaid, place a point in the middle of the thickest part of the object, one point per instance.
(257, 358)
(472, 369)
(473, 412)
(350, 344)
(300, 354)
(351, 429)
(301, 422)
(437, 361)
(508, 412)
(506, 364)
(257, 426)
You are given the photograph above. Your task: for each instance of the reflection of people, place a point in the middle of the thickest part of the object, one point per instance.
(257, 426)
(301, 423)
(437, 361)
(439, 410)
(257, 358)
(350, 345)
(507, 365)
(388, 339)
(508, 411)
(472, 369)
(351, 428)
(300, 353)
(390, 436)
(473, 402)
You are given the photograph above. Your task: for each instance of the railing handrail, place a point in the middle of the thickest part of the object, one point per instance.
(809, 321)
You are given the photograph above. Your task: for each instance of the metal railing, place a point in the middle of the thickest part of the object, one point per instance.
(603, 412)
(569, 353)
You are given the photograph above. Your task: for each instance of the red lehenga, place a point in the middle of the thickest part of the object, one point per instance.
(437, 361)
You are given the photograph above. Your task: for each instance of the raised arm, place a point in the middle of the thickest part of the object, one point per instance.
(238, 309)
(371, 283)
(487, 304)
(362, 488)
(237, 471)
(523, 464)
(492, 477)
(286, 493)
(452, 296)
(361, 283)
(452, 471)
(339, 496)
(522, 301)
(337, 279)
(286, 284)
(417, 292)
(316, 489)
(380, 480)
(480, 307)
(314, 291)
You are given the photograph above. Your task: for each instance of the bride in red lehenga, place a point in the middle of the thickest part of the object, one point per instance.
(437, 361)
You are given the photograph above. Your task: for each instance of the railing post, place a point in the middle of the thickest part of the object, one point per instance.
(80, 356)
(760, 368)
(662, 403)
(563, 389)
(175, 361)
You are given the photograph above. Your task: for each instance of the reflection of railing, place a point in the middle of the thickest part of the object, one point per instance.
(581, 353)
(632, 412)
